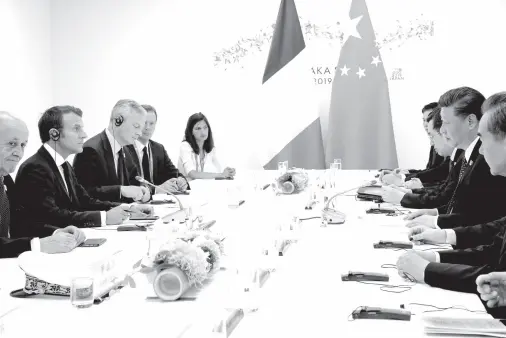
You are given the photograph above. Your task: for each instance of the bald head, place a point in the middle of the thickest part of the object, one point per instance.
(13, 140)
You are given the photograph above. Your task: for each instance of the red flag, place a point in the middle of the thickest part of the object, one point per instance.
(360, 122)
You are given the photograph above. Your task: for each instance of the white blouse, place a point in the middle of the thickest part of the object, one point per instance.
(189, 160)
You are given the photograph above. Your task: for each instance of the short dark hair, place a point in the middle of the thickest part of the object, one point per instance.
(53, 118)
(435, 117)
(465, 100)
(429, 106)
(188, 133)
(150, 109)
(495, 105)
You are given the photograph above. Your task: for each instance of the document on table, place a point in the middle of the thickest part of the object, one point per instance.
(464, 326)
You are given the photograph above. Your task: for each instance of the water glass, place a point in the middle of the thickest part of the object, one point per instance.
(282, 167)
(338, 163)
(81, 292)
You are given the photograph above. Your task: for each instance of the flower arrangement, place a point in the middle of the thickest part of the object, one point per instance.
(210, 244)
(293, 181)
(192, 260)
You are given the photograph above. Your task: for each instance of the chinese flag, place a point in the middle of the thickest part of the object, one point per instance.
(360, 121)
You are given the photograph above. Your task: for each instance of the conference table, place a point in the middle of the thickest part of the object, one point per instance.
(303, 296)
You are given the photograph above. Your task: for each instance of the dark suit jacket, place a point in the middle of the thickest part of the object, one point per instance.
(471, 236)
(163, 168)
(429, 198)
(476, 197)
(459, 269)
(95, 169)
(41, 199)
(434, 174)
(10, 248)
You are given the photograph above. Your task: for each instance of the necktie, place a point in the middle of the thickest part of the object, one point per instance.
(5, 214)
(463, 168)
(121, 166)
(66, 173)
(145, 165)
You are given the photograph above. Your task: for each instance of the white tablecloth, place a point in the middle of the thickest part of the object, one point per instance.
(304, 296)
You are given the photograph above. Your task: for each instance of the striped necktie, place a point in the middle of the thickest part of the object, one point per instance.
(451, 204)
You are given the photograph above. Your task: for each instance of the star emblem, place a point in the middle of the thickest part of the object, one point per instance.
(349, 27)
(344, 70)
(376, 60)
(360, 73)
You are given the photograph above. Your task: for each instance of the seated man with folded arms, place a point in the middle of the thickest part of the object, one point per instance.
(47, 189)
(13, 140)
(474, 199)
(469, 235)
(458, 269)
(440, 194)
(435, 170)
(104, 166)
(152, 160)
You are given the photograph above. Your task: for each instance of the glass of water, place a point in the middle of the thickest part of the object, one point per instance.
(81, 292)
(338, 163)
(282, 167)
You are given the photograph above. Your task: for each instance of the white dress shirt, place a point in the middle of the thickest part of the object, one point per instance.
(59, 160)
(115, 147)
(451, 236)
(189, 160)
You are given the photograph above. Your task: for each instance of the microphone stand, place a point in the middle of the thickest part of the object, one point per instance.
(333, 216)
(173, 215)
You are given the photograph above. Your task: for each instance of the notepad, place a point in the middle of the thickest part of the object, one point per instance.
(464, 326)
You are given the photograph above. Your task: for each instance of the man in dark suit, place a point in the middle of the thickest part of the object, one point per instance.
(58, 198)
(104, 166)
(468, 235)
(474, 199)
(434, 171)
(13, 140)
(152, 160)
(458, 269)
(430, 197)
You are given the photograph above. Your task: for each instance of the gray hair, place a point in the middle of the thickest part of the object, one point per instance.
(126, 107)
(495, 107)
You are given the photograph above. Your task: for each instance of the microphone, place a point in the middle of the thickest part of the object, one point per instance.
(171, 216)
(333, 216)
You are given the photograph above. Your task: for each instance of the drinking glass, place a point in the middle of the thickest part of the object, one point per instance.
(81, 292)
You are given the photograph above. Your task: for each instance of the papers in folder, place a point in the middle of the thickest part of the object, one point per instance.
(464, 326)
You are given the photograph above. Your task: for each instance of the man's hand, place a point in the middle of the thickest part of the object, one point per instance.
(60, 242)
(182, 184)
(412, 264)
(169, 185)
(393, 179)
(228, 172)
(402, 189)
(414, 183)
(136, 193)
(427, 235)
(391, 195)
(116, 215)
(401, 171)
(418, 213)
(424, 220)
(74, 231)
(141, 210)
(492, 288)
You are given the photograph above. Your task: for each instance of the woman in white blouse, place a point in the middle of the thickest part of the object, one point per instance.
(197, 155)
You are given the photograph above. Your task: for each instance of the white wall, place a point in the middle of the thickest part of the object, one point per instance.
(92, 53)
(25, 62)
